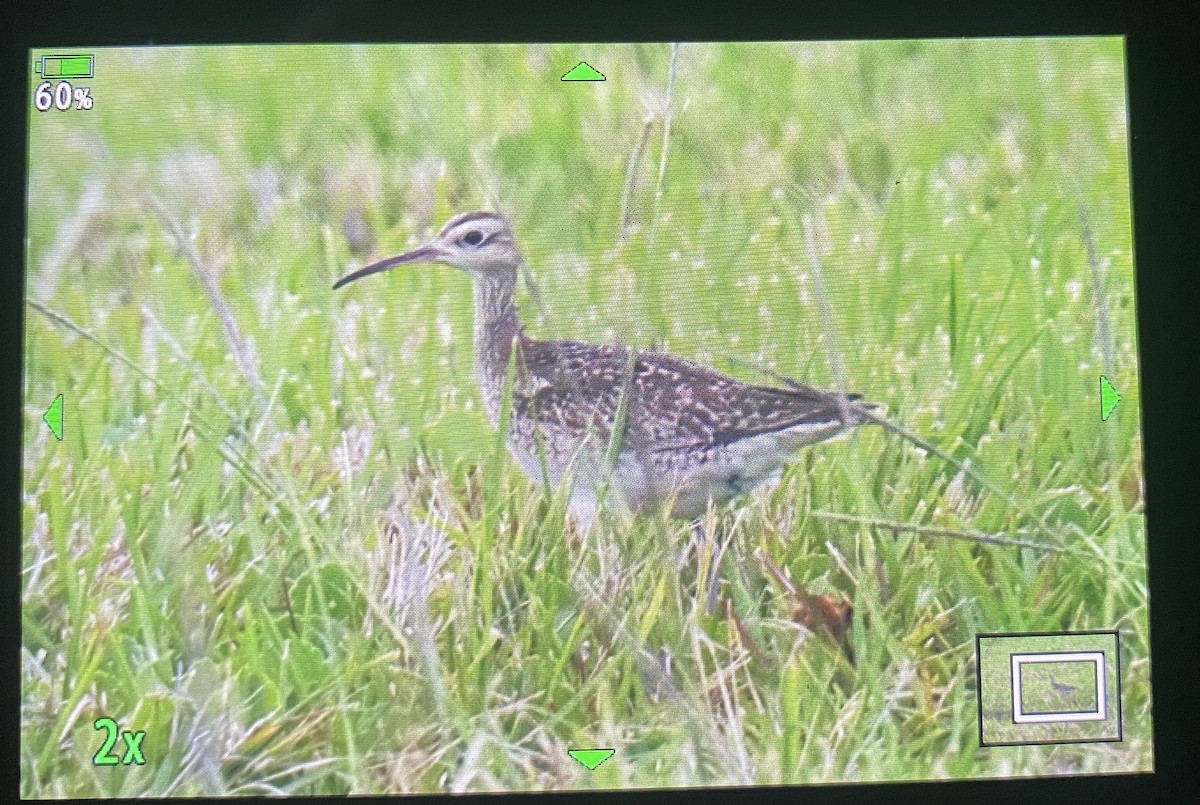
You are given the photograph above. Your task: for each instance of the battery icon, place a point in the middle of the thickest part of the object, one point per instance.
(66, 66)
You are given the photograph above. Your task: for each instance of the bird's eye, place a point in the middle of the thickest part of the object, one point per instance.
(472, 238)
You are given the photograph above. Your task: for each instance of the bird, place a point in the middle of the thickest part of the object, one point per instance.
(1062, 688)
(686, 436)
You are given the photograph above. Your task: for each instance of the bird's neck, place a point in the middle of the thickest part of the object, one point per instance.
(497, 328)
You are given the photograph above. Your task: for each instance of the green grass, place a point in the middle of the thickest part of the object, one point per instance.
(280, 538)
(1038, 694)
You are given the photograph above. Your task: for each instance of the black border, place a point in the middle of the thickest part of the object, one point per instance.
(1113, 633)
(1162, 76)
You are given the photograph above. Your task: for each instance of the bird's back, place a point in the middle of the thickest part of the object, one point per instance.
(681, 421)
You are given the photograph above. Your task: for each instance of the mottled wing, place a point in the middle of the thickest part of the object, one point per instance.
(701, 408)
(674, 404)
(570, 386)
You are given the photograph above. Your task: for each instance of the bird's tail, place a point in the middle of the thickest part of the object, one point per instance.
(856, 412)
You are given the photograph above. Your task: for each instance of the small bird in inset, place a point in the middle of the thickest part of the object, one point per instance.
(689, 436)
(1063, 689)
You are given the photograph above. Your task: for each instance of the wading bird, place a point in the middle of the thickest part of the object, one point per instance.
(689, 436)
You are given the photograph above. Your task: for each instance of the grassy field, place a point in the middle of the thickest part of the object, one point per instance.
(280, 538)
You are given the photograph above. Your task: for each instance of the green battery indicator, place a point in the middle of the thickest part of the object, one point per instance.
(66, 66)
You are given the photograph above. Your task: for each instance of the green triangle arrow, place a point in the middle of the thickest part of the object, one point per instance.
(591, 758)
(1108, 398)
(583, 72)
(54, 417)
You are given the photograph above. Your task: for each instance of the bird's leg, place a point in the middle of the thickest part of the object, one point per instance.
(697, 537)
(714, 572)
(700, 539)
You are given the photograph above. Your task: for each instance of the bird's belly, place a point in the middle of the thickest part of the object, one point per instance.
(632, 479)
(686, 485)
(685, 481)
(715, 482)
(720, 474)
(557, 457)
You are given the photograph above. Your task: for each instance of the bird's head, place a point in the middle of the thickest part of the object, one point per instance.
(480, 243)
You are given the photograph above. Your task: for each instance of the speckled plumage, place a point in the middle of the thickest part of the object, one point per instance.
(692, 436)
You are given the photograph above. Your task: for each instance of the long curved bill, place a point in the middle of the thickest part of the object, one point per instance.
(425, 254)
